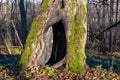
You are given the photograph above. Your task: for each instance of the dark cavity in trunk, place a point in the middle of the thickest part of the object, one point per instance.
(59, 43)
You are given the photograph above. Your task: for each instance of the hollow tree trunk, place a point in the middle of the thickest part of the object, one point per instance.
(58, 31)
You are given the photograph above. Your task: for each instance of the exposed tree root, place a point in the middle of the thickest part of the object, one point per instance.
(59, 64)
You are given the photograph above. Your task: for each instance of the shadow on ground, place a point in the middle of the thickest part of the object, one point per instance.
(10, 62)
(112, 64)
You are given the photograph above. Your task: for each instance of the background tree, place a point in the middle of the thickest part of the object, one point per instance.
(15, 15)
(102, 14)
(23, 31)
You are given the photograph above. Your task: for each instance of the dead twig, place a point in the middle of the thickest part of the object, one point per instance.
(17, 34)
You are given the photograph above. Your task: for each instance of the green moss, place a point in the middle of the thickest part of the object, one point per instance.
(29, 46)
(45, 5)
(16, 50)
(76, 45)
(75, 65)
(60, 10)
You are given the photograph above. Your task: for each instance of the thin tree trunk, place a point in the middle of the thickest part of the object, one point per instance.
(115, 36)
(23, 32)
(104, 39)
(110, 22)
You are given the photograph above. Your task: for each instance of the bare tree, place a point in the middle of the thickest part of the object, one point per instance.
(107, 15)
(23, 31)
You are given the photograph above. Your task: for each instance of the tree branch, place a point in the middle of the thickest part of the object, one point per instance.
(108, 28)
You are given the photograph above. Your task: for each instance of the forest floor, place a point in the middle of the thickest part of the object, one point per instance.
(102, 67)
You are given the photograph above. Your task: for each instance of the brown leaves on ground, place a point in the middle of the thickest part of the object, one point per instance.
(47, 73)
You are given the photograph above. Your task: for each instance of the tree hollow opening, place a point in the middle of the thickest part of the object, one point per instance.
(59, 43)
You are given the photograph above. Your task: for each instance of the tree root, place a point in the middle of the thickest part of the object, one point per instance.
(59, 64)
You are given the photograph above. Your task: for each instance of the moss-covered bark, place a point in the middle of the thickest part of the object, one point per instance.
(30, 44)
(37, 26)
(73, 14)
(77, 37)
(45, 5)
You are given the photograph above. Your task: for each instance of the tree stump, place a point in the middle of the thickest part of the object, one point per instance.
(58, 31)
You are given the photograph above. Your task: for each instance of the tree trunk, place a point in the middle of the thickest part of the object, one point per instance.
(58, 31)
(23, 31)
(110, 23)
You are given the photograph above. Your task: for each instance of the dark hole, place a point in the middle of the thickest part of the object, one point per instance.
(63, 5)
(59, 43)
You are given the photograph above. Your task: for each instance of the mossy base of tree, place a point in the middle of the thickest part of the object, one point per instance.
(75, 66)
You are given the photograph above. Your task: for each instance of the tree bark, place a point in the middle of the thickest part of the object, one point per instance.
(111, 22)
(58, 31)
(23, 31)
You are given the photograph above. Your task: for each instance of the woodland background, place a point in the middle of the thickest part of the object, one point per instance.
(101, 14)
(102, 48)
